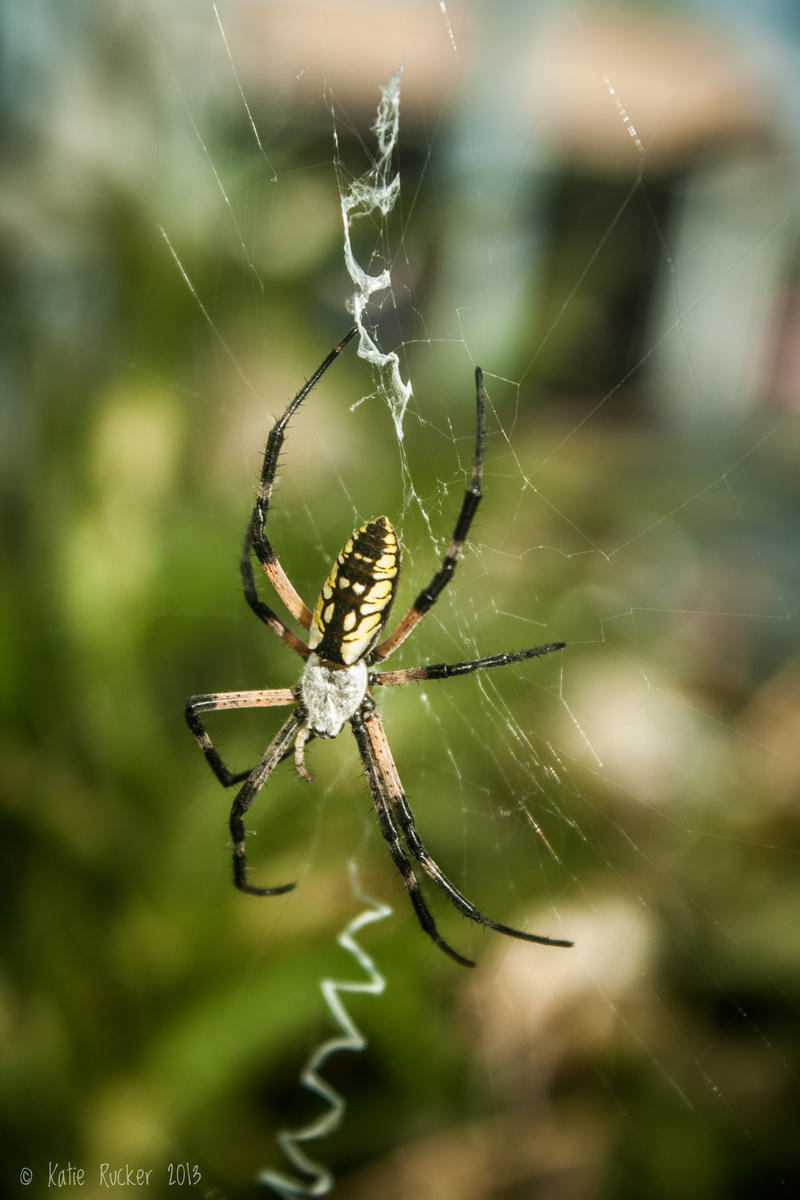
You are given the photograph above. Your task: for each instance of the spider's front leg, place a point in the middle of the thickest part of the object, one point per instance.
(278, 749)
(395, 818)
(217, 701)
(380, 790)
(256, 777)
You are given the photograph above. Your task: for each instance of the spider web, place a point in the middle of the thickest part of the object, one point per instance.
(637, 793)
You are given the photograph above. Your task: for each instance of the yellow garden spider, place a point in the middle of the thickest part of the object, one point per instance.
(336, 684)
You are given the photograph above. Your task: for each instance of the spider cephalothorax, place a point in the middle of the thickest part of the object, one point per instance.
(344, 633)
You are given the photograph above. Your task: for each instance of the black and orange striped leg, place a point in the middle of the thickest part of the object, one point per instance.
(383, 776)
(381, 800)
(262, 610)
(217, 701)
(256, 532)
(472, 498)
(448, 670)
(278, 749)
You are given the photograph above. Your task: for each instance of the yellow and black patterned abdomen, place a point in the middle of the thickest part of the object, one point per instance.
(355, 600)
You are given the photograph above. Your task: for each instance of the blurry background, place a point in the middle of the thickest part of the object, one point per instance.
(599, 205)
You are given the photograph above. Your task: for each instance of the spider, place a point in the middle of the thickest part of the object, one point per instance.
(335, 688)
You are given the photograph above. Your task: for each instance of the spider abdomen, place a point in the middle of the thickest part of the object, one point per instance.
(356, 598)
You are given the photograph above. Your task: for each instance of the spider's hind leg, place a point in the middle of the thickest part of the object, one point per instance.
(469, 505)
(256, 530)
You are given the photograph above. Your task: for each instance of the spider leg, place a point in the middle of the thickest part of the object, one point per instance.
(256, 535)
(220, 700)
(382, 755)
(382, 803)
(262, 610)
(276, 751)
(472, 497)
(447, 670)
